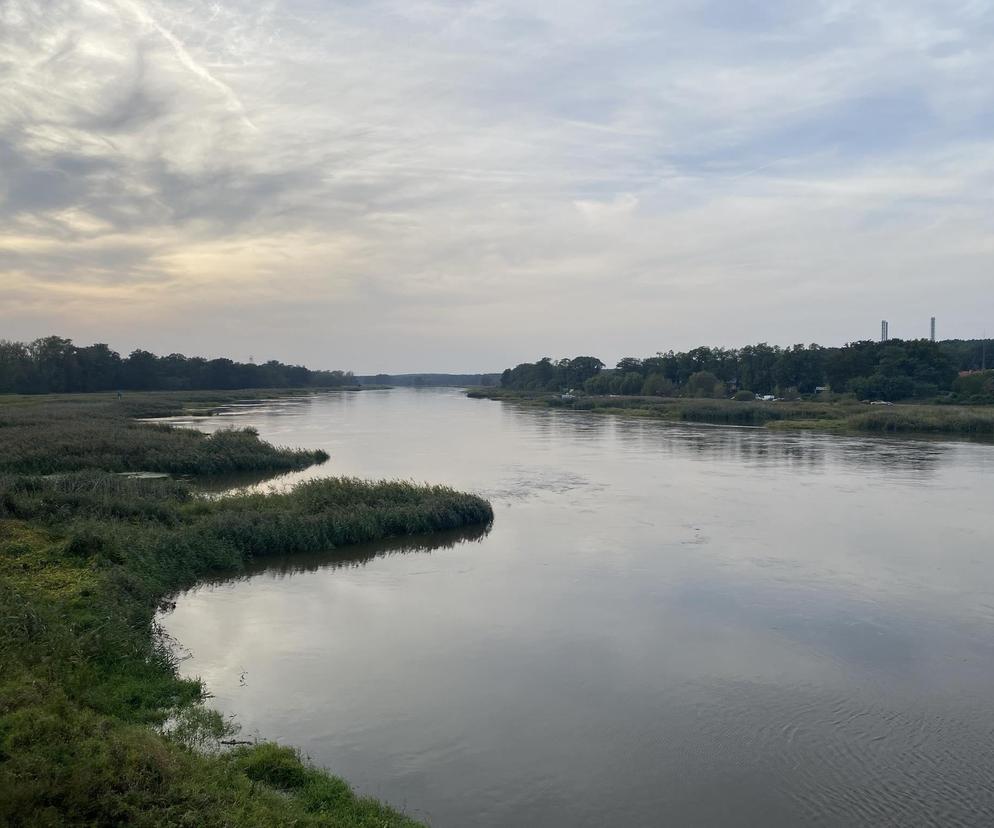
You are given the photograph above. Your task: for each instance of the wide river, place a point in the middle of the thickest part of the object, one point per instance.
(666, 625)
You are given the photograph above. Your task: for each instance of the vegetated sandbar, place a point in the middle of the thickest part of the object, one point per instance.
(96, 727)
(842, 415)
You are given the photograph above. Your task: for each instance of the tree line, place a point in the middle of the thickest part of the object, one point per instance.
(892, 370)
(54, 365)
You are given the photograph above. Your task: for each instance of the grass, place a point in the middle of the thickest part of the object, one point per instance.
(927, 419)
(833, 416)
(96, 727)
(49, 435)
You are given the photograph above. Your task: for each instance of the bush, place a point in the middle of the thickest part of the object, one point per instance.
(976, 386)
(744, 396)
(656, 385)
(704, 384)
(880, 387)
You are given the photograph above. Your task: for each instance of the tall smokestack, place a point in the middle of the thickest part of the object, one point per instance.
(932, 337)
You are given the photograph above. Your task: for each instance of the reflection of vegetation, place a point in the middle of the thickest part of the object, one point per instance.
(360, 554)
(845, 415)
(86, 558)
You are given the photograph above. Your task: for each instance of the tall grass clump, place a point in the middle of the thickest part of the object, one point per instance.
(926, 420)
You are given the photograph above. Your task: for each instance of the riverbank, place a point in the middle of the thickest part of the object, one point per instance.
(96, 727)
(842, 416)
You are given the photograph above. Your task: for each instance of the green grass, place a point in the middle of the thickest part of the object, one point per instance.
(832, 416)
(96, 727)
(927, 419)
(49, 435)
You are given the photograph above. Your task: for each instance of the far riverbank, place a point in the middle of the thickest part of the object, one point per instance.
(838, 416)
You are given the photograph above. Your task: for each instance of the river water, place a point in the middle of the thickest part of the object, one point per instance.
(666, 624)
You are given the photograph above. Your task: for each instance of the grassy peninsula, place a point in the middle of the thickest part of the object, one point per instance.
(842, 415)
(96, 727)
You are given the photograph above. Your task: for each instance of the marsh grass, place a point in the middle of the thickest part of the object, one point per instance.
(846, 415)
(49, 435)
(96, 727)
(927, 419)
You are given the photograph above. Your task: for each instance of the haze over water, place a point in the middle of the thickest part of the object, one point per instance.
(666, 624)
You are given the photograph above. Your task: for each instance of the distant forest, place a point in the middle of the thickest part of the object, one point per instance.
(430, 380)
(892, 370)
(53, 365)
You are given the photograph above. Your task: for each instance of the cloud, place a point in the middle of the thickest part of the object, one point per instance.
(363, 185)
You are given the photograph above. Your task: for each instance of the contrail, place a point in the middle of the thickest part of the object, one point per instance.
(187, 60)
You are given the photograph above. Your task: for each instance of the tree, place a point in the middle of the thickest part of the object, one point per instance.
(99, 368)
(572, 373)
(977, 386)
(629, 365)
(15, 367)
(55, 367)
(704, 384)
(855, 359)
(630, 383)
(599, 384)
(882, 387)
(801, 368)
(757, 365)
(140, 371)
(666, 365)
(656, 385)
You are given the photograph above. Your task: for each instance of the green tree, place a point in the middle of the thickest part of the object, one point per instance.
(757, 366)
(599, 384)
(631, 383)
(629, 365)
(140, 371)
(657, 385)
(704, 384)
(16, 370)
(801, 368)
(99, 368)
(55, 368)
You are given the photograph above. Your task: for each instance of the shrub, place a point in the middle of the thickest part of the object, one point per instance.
(880, 387)
(278, 766)
(657, 385)
(704, 384)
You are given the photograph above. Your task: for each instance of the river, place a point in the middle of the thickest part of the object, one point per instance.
(666, 624)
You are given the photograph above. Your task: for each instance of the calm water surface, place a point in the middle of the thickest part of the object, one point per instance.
(666, 624)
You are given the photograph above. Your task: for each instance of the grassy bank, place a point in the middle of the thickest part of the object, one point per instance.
(48, 435)
(835, 416)
(96, 728)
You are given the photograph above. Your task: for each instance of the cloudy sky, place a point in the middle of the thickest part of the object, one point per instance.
(438, 185)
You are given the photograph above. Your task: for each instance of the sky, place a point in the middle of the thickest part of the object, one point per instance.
(418, 185)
